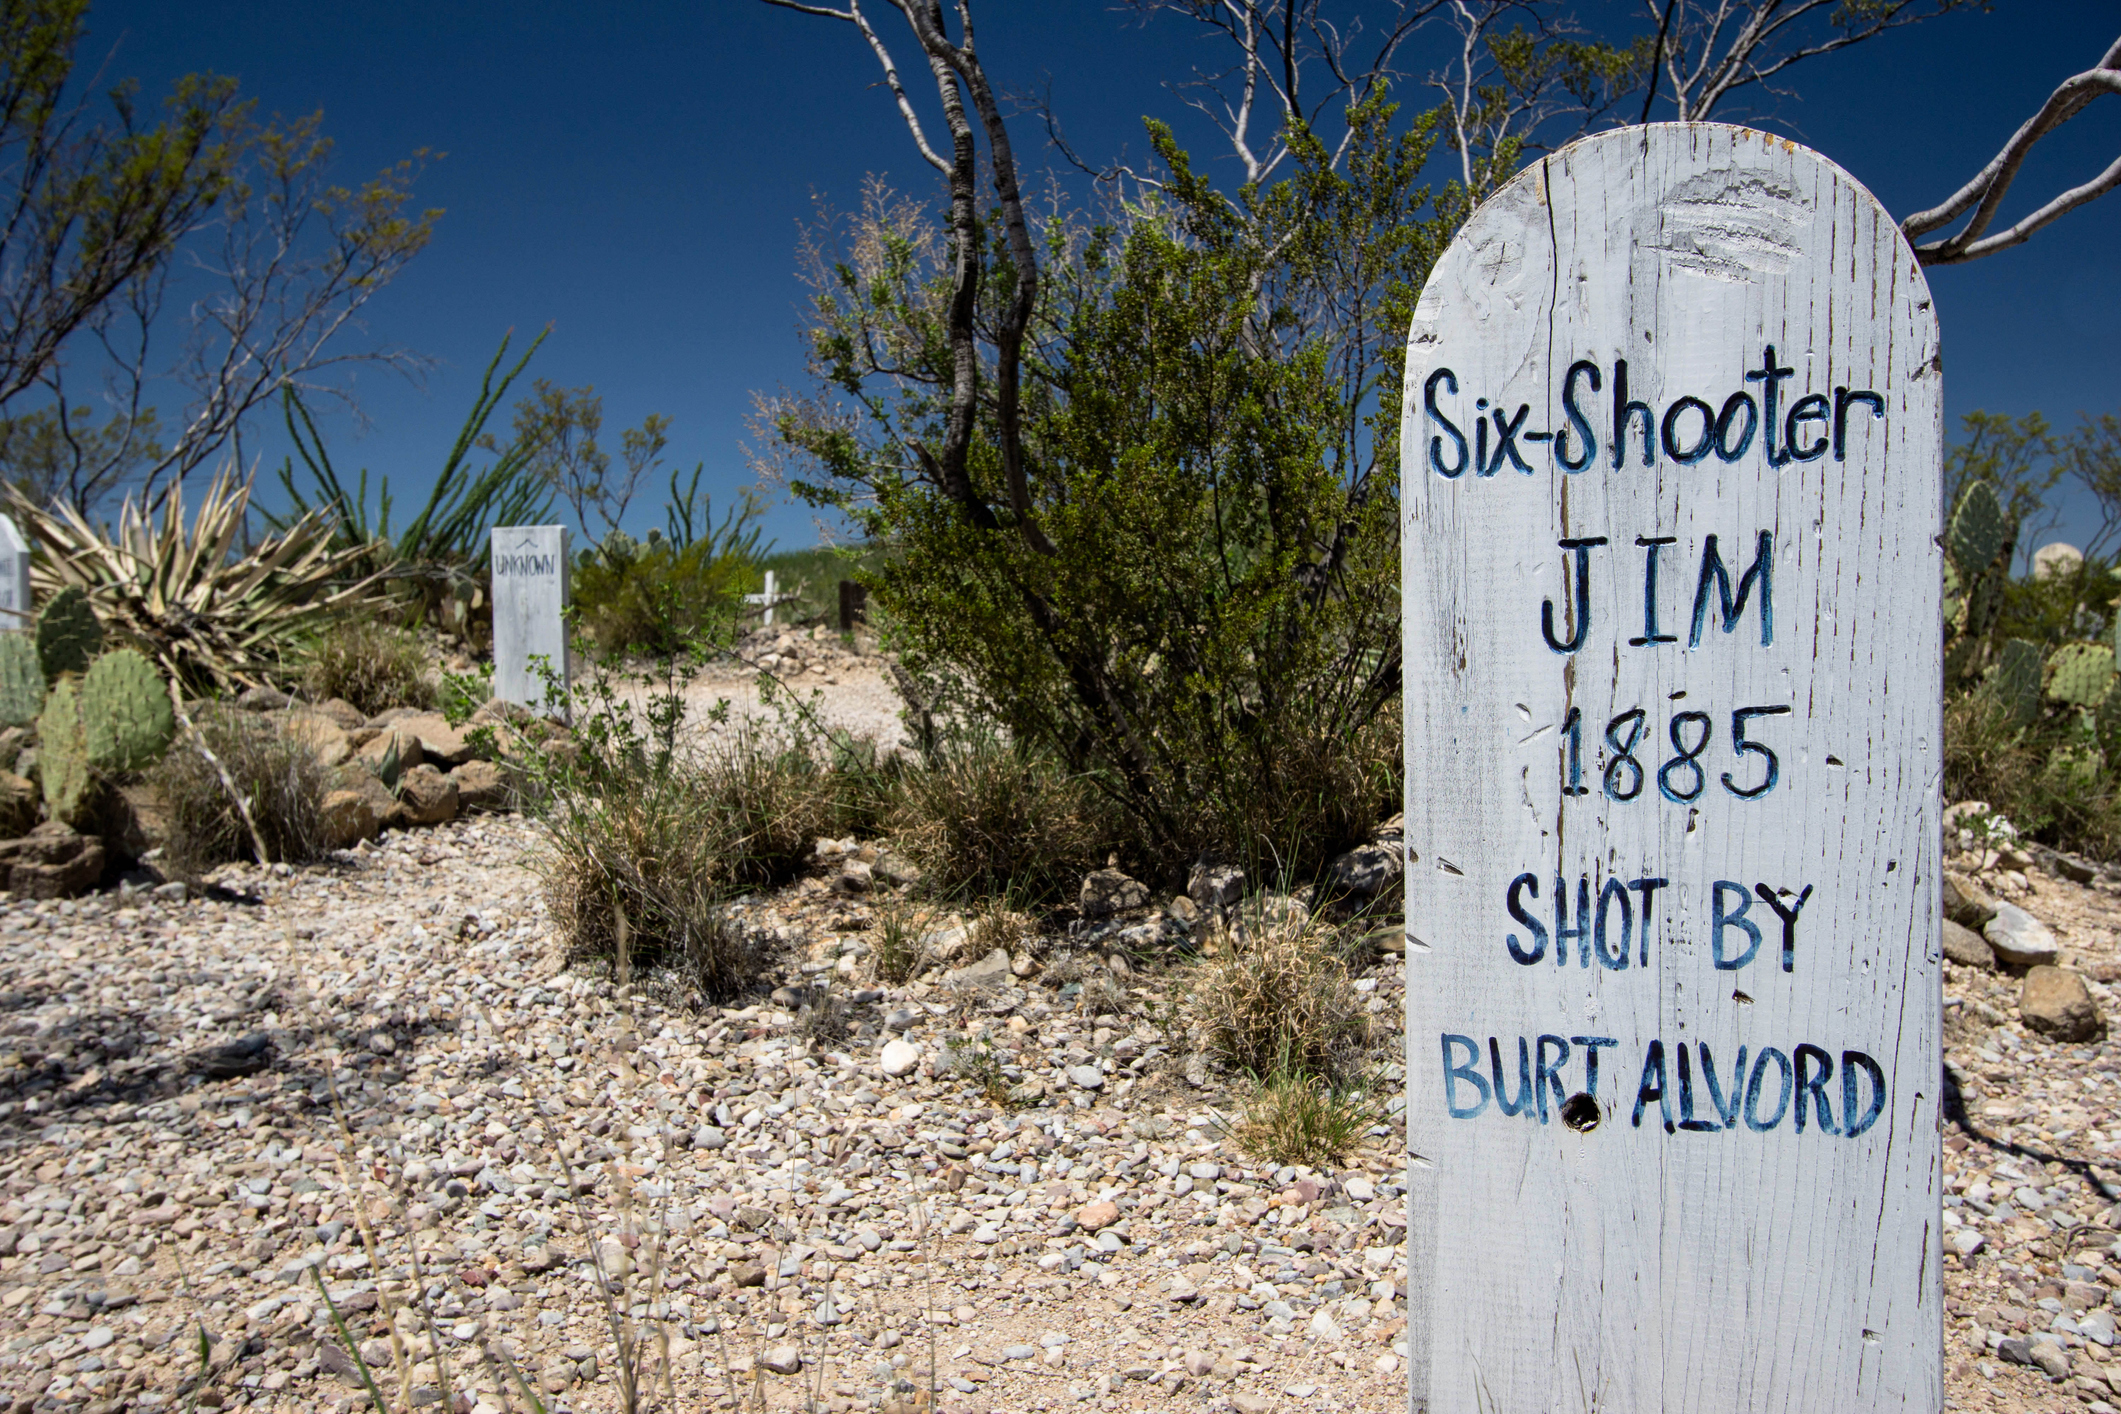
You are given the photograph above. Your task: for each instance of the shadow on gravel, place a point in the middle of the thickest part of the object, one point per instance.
(1955, 1112)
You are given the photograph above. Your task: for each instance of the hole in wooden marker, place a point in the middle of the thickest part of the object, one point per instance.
(1449, 868)
(1580, 1113)
(1740, 997)
(1833, 760)
(1676, 696)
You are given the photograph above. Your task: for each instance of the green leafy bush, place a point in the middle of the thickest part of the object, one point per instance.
(374, 666)
(1172, 562)
(670, 593)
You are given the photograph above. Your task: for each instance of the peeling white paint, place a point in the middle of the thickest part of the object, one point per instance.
(1619, 1267)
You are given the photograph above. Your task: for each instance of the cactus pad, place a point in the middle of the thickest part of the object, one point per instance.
(2015, 680)
(62, 756)
(68, 636)
(2081, 674)
(1979, 529)
(126, 718)
(21, 681)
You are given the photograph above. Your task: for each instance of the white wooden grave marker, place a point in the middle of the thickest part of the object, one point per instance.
(16, 611)
(767, 600)
(1671, 445)
(529, 612)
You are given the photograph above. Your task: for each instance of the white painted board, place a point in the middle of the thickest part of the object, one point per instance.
(529, 613)
(1712, 1239)
(16, 609)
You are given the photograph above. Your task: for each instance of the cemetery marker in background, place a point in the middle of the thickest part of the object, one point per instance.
(16, 610)
(529, 612)
(1670, 455)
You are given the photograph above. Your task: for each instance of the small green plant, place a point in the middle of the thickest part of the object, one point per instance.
(1303, 1119)
(463, 694)
(126, 716)
(21, 680)
(668, 595)
(68, 633)
(375, 666)
(974, 1060)
(276, 774)
(62, 748)
(895, 947)
(2080, 675)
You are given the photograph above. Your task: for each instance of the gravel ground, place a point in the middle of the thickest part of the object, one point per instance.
(2033, 1169)
(203, 1100)
(848, 687)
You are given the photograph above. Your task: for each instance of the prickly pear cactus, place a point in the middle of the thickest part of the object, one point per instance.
(126, 717)
(1978, 531)
(21, 681)
(62, 756)
(2106, 726)
(2015, 680)
(2080, 674)
(68, 636)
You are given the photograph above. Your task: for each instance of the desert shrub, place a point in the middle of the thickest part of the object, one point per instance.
(982, 817)
(1173, 564)
(2044, 776)
(277, 775)
(1280, 1002)
(651, 837)
(374, 666)
(1303, 1119)
(670, 593)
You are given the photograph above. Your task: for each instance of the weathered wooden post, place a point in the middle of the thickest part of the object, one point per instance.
(854, 604)
(529, 614)
(1671, 455)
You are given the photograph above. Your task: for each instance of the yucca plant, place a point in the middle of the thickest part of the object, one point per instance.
(440, 556)
(172, 584)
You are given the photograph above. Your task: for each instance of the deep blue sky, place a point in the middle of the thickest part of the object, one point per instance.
(635, 176)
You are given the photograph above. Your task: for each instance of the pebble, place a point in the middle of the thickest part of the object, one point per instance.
(723, 1141)
(2019, 938)
(1089, 1077)
(899, 1057)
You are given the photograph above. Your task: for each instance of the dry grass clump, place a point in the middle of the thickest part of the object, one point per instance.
(374, 666)
(983, 817)
(277, 775)
(1303, 1119)
(1281, 1002)
(648, 848)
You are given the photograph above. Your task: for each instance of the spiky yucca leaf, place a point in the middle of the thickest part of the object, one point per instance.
(171, 583)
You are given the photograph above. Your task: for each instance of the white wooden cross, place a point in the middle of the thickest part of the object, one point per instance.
(768, 599)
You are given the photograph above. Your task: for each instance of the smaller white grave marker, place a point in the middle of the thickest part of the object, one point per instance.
(16, 611)
(529, 612)
(768, 599)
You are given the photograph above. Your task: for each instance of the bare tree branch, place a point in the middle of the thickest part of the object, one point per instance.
(1985, 193)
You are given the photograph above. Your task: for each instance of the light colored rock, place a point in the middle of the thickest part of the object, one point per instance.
(425, 797)
(899, 1057)
(325, 739)
(1108, 891)
(482, 787)
(378, 747)
(440, 742)
(782, 1359)
(1097, 1216)
(990, 971)
(1089, 1077)
(2056, 1003)
(1967, 948)
(2019, 938)
(343, 714)
(348, 816)
(1966, 902)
